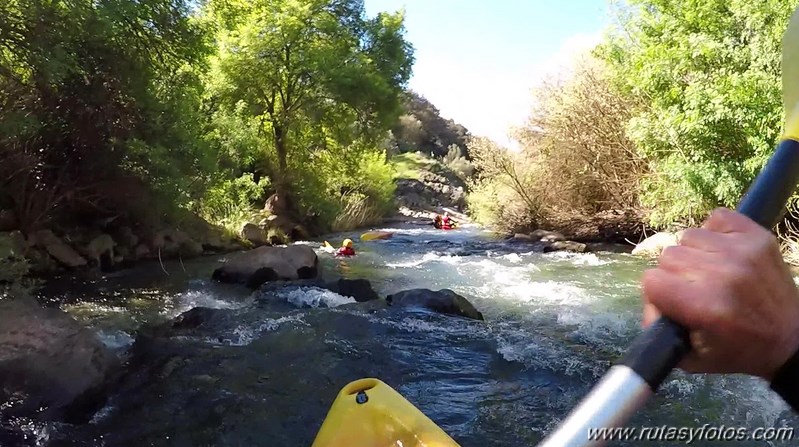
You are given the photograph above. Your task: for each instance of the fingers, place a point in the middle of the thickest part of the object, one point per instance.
(651, 314)
(704, 239)
(686, 259)
(678, 297)
(723, 220)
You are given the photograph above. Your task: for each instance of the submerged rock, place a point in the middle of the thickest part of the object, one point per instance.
(51, 368)
(359, 289)
(263, 264)
(443, 301)
(574, 247)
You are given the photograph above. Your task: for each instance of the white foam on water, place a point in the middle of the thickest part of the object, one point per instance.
(115, 340)
(544, 292)
(243, 335)
(314, 297)
(101, 414)
(199, 298)
(428, 257)
(415, 325)
(594, 322)
(513, 257)
(517, 346)
(590, 259)
(502, 274)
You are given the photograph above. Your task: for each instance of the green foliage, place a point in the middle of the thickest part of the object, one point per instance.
(347, 187)
(98, 105)
(710, 74)
(410, 165)
(153, 109)
(231, 202)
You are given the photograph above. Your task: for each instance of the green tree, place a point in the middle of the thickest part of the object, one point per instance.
(316, 74)
(709, 74)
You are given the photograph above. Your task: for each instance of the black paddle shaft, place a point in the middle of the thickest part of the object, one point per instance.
(660, 347)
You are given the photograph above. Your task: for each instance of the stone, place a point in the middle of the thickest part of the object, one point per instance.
(55, 369)
(443, 301)
(652, 246)
(101, 250)
(574, 247)
(254, 234)
(253, 267)
(359, 289)
(547, 236)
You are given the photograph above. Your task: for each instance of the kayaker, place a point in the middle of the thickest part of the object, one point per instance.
(437, 222)
(447, 222)
(346, 249)
(729, 285)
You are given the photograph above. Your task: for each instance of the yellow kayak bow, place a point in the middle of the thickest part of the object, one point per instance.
(369, 413)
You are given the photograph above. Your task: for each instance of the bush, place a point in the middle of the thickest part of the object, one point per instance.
(232, 202)
(575, 158)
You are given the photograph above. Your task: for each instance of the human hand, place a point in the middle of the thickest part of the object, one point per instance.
(729, 286)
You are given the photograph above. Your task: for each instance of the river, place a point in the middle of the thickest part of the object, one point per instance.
(263, 372)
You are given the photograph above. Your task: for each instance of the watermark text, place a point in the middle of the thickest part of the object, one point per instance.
(690, 435)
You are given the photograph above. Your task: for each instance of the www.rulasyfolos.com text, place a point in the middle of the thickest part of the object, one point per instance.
(690, 435)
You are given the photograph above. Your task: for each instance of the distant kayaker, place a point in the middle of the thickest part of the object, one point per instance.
(346, 249)
(728, 284)
(444, 222)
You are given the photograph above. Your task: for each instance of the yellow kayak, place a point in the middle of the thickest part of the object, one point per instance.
(369, 413)
(373, 235)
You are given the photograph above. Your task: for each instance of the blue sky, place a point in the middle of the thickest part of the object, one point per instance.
(477, 60)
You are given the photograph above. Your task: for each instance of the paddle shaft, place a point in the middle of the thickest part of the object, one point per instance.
(627, 386)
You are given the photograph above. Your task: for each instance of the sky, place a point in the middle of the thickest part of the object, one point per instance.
(477, 60)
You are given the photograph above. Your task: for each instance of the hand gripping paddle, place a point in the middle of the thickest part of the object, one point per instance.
(626, 387)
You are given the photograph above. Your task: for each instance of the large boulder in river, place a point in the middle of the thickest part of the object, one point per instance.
(443, 301)
(51, 366)
(652, 246)
(257, 266)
